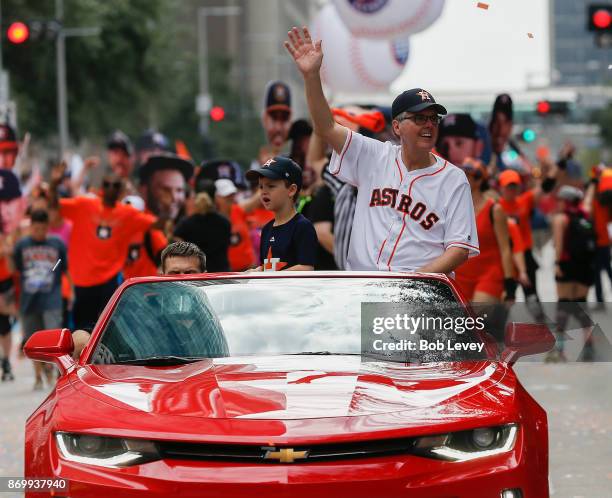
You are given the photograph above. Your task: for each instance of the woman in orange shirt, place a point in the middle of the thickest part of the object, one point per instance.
(489, 276)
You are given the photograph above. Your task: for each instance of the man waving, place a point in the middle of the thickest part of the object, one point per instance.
(414, 210)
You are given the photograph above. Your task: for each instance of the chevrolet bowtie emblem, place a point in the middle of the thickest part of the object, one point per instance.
(285, 455)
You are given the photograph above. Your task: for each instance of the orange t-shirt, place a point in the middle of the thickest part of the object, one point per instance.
(520, 210)
(488, 263)
(100, 237)
(138, 262)
(259, 217)
(601, 218)
(240, 254)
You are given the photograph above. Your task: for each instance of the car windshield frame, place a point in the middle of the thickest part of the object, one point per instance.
(275, 288)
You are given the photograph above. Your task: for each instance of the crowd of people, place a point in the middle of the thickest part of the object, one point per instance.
(402, 188)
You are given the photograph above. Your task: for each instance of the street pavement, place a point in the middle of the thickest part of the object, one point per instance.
(576, 396)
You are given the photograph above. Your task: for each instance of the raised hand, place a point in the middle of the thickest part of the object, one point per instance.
(307, 55)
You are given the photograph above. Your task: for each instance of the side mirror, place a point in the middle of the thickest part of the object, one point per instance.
(524, 339)
(52, 346)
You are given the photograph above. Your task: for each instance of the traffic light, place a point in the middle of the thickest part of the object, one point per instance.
(217, 113)
(543, 107)
(528, 135)
(18, 32)
(599, 17)
(549, 107)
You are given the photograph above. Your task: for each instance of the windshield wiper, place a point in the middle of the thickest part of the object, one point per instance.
(154, 361)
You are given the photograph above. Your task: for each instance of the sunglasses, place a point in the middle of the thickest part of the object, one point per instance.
(475, 172)
(115, 185)
(421, 119)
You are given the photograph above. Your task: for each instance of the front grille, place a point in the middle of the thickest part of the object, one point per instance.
(315, 453)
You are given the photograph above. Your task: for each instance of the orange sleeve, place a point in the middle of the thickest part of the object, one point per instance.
(140, 222)
(70, 208)
(158, 241)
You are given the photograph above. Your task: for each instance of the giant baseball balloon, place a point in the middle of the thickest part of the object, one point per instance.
(388, 18)
(355, 64)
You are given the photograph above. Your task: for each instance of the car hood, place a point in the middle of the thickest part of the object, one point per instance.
(299, 387)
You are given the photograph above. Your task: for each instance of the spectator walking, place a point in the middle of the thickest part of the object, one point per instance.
(40, 261)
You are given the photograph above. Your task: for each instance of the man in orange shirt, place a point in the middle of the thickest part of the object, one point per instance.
(144, 251)
(101, 233)
(519, 206)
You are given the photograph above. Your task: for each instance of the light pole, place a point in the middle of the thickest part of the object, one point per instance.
(60, 50)
(204, 99)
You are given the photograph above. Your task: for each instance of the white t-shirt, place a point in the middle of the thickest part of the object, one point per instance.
(403, 219)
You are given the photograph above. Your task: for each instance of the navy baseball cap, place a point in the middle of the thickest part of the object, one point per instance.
(119, 140)
(458, 125)
(415, 100)
(278, 97)
(278, 168)
(151, 140)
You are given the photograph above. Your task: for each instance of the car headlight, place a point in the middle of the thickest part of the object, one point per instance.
(105, 451)
(468, 445)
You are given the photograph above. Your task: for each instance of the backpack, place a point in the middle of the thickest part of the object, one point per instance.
(580, 238)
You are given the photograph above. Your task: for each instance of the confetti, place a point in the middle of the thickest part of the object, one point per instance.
(483, 6)
(530, 35)
(58, 262)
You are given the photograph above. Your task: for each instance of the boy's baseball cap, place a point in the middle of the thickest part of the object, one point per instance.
(508, 177)
(415, 100)
(277, 97)
(278, 168)
(458, 125)
(225, 187)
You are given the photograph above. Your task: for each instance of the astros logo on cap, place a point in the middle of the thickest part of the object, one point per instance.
(424, 95)
(267, 163)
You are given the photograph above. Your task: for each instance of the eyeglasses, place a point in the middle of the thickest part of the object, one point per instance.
(115, 185)
(421, 119)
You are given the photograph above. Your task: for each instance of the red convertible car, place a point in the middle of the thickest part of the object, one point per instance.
(289, 385)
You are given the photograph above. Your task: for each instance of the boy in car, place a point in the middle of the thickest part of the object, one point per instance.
(289, 242)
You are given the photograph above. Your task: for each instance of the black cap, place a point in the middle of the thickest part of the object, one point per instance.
(119, 140)
(221, 168)
(458, 125)
(503, 104)
(300, 128)
(152, 139)
(8, 137)
(165, 161)
(415, 100)
(278, 168)
(278, 97)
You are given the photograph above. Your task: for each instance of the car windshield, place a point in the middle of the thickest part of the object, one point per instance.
(240, 317)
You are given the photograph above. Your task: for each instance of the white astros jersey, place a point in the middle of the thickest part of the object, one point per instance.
(403, 219)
